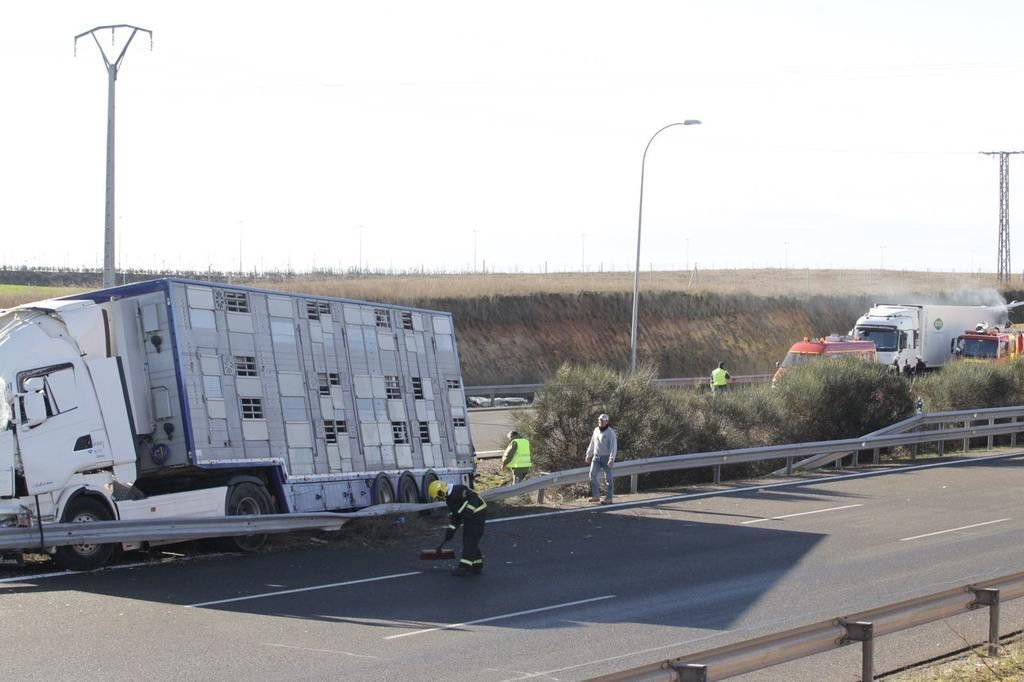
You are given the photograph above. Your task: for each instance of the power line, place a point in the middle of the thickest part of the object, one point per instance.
(1003, 266)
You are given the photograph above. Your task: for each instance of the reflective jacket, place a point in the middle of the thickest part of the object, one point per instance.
(464, 506)
(719, 377)
(517, 454)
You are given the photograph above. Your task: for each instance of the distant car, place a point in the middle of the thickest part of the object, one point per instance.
(510, 402)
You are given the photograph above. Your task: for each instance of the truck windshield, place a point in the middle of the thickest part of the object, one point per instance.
(795, 359)
(977, 348)
(886, 338)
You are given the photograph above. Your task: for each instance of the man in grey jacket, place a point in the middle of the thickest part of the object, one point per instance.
(601, 455)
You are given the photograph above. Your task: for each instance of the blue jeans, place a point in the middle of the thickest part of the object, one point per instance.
(596, 465)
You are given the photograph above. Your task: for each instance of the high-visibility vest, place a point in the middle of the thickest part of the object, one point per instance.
(718, 377)
(521, 458)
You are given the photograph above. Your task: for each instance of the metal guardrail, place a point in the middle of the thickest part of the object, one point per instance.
(175, 529)
(182, 529)
(789, 452)
(967, 417)
(770, 650)
(494, 390)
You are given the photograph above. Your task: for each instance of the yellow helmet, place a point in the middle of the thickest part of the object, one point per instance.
(437, 490)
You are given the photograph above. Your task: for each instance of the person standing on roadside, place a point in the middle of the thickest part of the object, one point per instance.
(601, 456)
(719, 378)
(517, 457)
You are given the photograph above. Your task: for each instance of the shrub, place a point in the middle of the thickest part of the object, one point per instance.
(969, 385)
(565, 411)
(843, 398)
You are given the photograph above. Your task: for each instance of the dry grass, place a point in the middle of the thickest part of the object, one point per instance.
(16, 294)
(762, 283)
(977, 667)
(766, 283)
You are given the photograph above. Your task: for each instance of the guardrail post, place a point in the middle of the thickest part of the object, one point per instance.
(989, 596)
(1013, 436)
(942, 448)
(855, 460)
(991, 421)
(789, 466)
(718, 474)
(691, 672)
(634, 483)
(876, 455)
(967, 439)
(540, 496)
(863, 631)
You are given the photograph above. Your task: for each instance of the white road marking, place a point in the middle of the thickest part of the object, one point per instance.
(501, 617)
(953, 530)
(60, 574)
(303, 589)
(322, 651)
(789, 516)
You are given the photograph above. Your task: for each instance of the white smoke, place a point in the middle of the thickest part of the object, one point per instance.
(988, 297)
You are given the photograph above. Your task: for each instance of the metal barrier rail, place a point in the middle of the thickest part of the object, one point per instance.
(989, 415)
(770, 650)
(181, 529)
(175, 529)
(789, 452)
(530, 389)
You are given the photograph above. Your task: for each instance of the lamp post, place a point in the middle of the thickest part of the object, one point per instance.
(639, 226)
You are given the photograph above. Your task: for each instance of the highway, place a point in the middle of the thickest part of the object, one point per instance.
(566, 594)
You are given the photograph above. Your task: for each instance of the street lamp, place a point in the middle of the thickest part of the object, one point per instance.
(639, 225)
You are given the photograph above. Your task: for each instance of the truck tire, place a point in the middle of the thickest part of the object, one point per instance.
(428, 478)
(408, 493)
(382, 492)
(84, 509)
(247, 499)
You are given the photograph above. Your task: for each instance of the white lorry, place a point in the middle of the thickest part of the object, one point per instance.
(904, 332)
(174, 398)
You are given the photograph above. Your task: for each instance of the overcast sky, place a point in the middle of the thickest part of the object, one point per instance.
(447, 134)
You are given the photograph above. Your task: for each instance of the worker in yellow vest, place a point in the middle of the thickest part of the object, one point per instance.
(517, 456)
(719, 378)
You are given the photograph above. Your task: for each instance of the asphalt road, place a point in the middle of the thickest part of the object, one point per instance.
(489, 429)
(565, 595)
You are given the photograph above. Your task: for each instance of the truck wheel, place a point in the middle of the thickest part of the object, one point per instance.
(84, 557)
(428, 478)
(408, 493)
(382, 492)
(247, 499)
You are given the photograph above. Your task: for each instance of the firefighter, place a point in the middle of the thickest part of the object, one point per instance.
(517, 456)
(466, 509)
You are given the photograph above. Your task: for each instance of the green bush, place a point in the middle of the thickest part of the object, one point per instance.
(842, 398)
(822, 401)
(969, 385)
(564, 414)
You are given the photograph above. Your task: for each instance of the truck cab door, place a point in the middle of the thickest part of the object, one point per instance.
(58, 430)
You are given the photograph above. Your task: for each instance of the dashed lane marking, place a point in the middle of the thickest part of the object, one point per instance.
(502, 617)
(806, 513)
(953, 530)
(302, 589)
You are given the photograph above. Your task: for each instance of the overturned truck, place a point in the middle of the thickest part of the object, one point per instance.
(174, 398)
